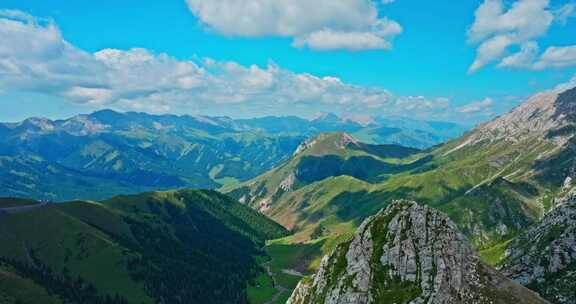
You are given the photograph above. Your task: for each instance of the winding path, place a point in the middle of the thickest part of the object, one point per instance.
(279, 289)
(18, 209)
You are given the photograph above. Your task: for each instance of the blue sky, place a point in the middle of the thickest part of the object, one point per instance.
(422, 70)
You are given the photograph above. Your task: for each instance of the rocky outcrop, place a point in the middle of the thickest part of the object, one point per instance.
(544, 257)
(549, 116)
(539, 115)
(408, 253)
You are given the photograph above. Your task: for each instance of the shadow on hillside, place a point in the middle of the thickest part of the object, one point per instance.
(369, 169)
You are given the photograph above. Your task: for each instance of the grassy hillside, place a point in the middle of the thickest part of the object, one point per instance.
(327, 155)
(173, 247)
(490, 189)
(493, 182)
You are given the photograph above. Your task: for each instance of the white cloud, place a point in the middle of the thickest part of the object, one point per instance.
(321, 24)
(565, 12)
(524, 20)
(90, 96)
(523, 58)
(496, 29)
(553, 57)
(490, 50)
(34, 55)
(353, 41)
(481, 106)
(138, 79)
(557, 57)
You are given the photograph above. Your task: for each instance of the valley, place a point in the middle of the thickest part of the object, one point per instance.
(134, 249)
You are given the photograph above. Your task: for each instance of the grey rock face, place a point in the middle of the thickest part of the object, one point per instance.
(534, 117)
(408, 253)
(544, 257)
(543, 114)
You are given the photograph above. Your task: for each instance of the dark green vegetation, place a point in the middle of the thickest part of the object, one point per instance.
(108, 153)
(160, 247)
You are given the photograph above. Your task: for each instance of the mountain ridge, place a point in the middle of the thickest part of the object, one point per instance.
(135, 249)
(135, 152)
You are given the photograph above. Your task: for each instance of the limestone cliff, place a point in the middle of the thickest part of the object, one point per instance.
(408, 253)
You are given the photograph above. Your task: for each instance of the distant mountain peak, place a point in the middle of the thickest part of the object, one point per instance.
(325, 143)
(363, 120)
(107, 116)
(43, 124)
(105, 112)
(81, 125)
(327, 117)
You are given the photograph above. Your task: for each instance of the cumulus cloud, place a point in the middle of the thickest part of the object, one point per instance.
(565, 12)
(352, 41)
(34, 55)
(497, 30)
(320, 25)
(523, 58)
(553, 57)
(39, 59)
(481, 106)
(567, 85)
(557, 57)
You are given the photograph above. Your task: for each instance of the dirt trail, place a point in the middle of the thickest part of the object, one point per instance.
(18, 209)
(279, 289)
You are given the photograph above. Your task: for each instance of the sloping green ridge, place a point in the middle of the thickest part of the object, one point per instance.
(492, 190)
(172, 247)
(470, 185)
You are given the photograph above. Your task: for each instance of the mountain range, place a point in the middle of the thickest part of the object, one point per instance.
(105, 153)
(486, 217)
(494, 182)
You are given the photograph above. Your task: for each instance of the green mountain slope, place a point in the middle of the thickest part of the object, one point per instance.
(327, 155)
(493, 182)
(172, 247)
